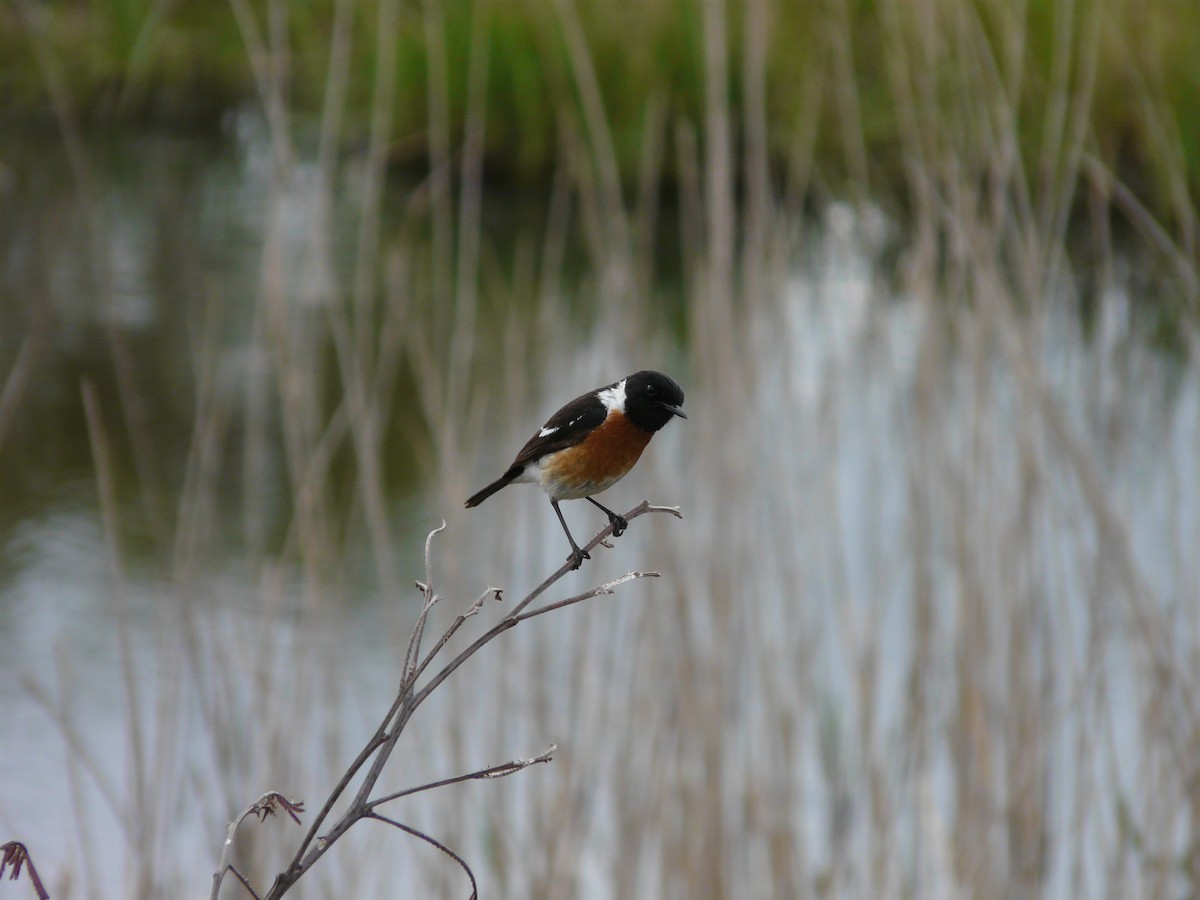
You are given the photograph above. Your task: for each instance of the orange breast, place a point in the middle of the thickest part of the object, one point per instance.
(598, 463)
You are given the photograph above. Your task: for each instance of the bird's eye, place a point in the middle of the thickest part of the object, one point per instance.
(650, 390)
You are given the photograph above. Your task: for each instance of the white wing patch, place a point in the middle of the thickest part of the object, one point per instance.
(613, 398)
(546, 432)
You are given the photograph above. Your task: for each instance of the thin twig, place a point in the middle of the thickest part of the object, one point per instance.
(15, 854)
(414, 641)
(473, 609)
(586, 595)
(377, 740)
(264, 806)
(427, 839)
(640, 510)
(408, 699)
(381, 736)
(498, 771)
(245, 882)
(514, 618)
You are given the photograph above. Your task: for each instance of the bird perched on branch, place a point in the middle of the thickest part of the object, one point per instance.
(592, 443)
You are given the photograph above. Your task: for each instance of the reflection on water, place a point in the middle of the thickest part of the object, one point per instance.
(892, 627)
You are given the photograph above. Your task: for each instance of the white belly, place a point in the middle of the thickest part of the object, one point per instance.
(559, 488)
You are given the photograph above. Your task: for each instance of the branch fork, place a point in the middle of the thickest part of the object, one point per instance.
(380, 745)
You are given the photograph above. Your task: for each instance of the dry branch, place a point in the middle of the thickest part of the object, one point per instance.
(380, 745)
(15, 854)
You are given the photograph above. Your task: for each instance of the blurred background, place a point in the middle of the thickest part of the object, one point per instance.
(281, 284)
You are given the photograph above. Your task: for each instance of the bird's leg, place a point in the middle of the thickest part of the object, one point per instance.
(618, 521)
(577, 555)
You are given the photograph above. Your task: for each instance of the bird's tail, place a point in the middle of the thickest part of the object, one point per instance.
(503, 481)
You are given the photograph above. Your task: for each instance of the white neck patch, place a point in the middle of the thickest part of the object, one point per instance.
(613, 398)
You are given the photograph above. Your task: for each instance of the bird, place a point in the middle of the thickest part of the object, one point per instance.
(591, 444)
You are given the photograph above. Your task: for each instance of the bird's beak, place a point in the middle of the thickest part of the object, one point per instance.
(675, 410)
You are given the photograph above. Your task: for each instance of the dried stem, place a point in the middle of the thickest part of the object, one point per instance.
(15, 854)
(380, 745)
(414, 642)
(429, 840)
(498, 771)
(264, 806)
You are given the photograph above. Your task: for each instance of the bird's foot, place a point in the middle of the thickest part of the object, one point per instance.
(619, 524)
(577, 557)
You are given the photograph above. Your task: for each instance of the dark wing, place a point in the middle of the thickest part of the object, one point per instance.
(566, 428)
